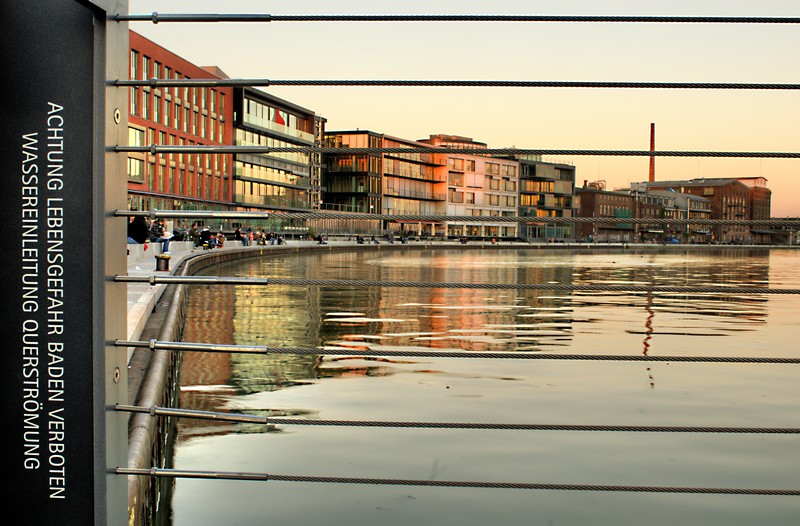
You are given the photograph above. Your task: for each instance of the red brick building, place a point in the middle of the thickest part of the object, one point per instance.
(177, 117)
(731, 199)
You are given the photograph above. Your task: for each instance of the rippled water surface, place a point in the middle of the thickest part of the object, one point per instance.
(551, 391)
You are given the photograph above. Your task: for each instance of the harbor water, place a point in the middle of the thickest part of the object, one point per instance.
(493, 391)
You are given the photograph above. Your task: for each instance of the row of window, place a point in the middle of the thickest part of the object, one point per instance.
(140, 137)
(153, 107)
(206, 98)
(266, 195)
(468, 165)
(268, 173)
(471, 198)
(248, 138)
(165, 179)
(269, 117)
(481, 230)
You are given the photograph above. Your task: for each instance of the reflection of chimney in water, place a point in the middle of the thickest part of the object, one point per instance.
(652, 149)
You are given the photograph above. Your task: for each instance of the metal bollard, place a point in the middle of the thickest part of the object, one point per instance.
(162, 262)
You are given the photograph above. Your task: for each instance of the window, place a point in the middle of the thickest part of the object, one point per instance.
(135, 137)
(146, 105)
(135, 169)
(151, 170)
(455, 179)
(134, 64)
(134, 105)
(145, 68)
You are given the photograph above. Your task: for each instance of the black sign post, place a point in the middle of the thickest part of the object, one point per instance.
(59, 376)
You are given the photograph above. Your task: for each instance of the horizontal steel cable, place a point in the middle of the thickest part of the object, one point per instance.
(417, 217)
(156, 18)
(272, 420)
(155, 149)
(344, 351)
(211, 82)
(265, 477)
(246, 280)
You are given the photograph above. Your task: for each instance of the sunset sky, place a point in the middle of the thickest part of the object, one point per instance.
(542, 118)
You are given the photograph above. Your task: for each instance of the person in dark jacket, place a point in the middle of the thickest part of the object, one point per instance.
(194, 234)
(137, 231)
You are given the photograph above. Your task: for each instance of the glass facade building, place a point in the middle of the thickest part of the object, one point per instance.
(546, 190)
(275, 181)
(385, 183)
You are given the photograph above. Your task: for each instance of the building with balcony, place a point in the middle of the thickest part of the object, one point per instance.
(275, 181)
(196, 116)
(477, 186)
(546, 190)
(384, 183)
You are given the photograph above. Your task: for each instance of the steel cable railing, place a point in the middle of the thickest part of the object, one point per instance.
(185, 346)
(197, 83)
(155, 149)
(312, 215)
(265, 477)
(154, 345)
(157, 18)
(273, 420)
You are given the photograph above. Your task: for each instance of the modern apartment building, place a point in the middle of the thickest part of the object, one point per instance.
(384, 183)
(275, 181)
(477, 186)
(177, 117)
(546, 190)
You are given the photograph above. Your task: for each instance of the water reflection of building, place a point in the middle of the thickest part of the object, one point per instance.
(300, 316)
(208, 320)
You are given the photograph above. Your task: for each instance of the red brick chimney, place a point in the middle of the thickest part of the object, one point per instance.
(652, 149)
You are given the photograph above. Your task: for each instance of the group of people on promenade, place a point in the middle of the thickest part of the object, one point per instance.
(203, 237)
(140, 232)
(261, 237)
